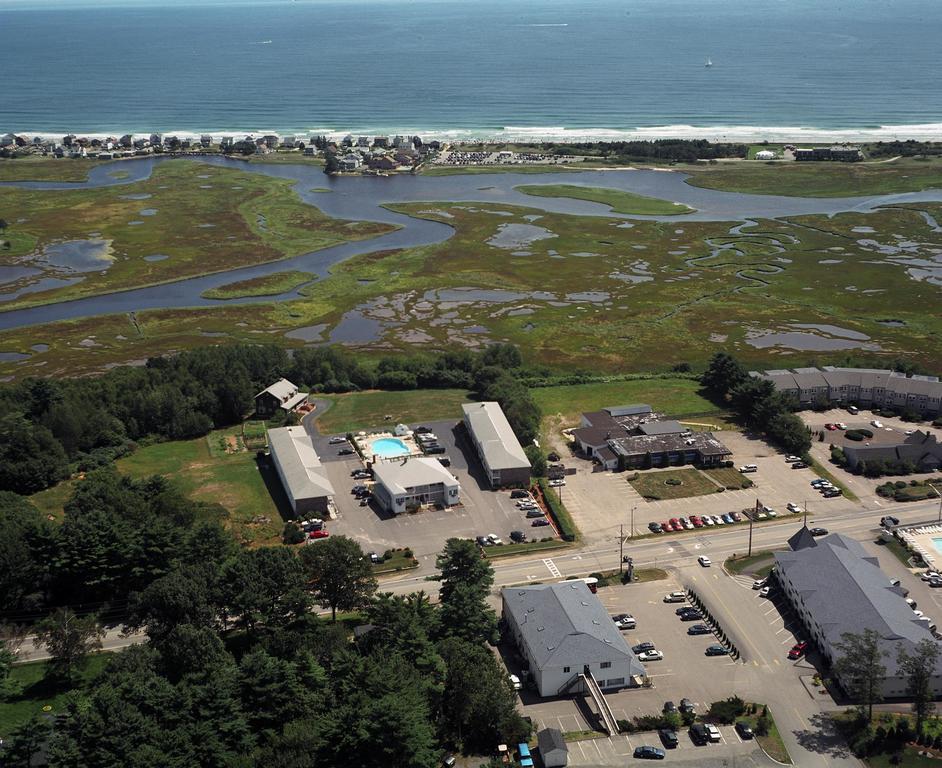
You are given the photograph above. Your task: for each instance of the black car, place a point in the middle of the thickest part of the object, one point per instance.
(889, 520)
(669, 706)
(434, 448)
(699, 629)
(518, 536)
(421, 430)
(668, 737)
(642, 647)
(535, 513)
(482, 541)
(717, 650)
(832, 494)
(345, 452)
(684, 609)
(648, 753)
(686, 705)
(698, 734)
(818, 531)
(540, 521)
(743, 729)
(654, 527)
(691, 616)
(553, 457)
(519, 493)
(799, 465)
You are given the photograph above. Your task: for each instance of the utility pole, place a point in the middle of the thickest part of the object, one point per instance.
(621, 548)
(805, 523)
(631, 532)
(940, 499)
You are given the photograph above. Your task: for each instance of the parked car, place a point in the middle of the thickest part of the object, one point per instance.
(669, 706)
(650, 656)
(483, 541)
(853, 410)
(696, 521)
(668, 737)
(336, 440)
(832, 493)
(655, 527)
(818, 531)
(519, 493)
(540, 522)
(798, 650)
(421, 430)
(518, 536)
(699, 629)
(647, 645)
(625, 621)
(793, 507)
(799, 465)
(704, 561)
(842, 426)
(515, 682)
(876, 423)
(717, 650)
(553, 456)
(698, 734)
(345, 452)
(688, 526)
(744, 731)
(727, 518)
(375, 558)
(889, 520)
(434, 449)
(686, 705)
(765, 591)
(707, 520)
(320, 533)
(792, 458)
(717, 520)
(675, 597)
(830, 427)
(713, 733)
(759, 583)
(493, 538)
(557, 483)
(747, 468)
(535, 512)
(648, 753)
(737, 518)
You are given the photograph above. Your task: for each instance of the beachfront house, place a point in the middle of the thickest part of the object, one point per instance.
(206, 140)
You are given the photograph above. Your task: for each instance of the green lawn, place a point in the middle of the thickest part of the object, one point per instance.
(38, 692)
(729, 477)
(772, 742)
(673, 396)
(33, 168)
(657, 484)
(910, 759)
(252, 496)
(618, 200)
(824, 179)
(506, 550)
(268, 285)
(751, 564)
(360, 410)
(397, 561)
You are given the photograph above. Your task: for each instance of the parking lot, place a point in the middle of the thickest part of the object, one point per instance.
(481, 511)
(600, 502)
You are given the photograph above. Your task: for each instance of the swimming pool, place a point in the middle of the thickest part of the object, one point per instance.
(937, 543)
(389, 446)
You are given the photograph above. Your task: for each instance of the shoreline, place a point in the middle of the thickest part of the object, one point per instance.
(549, 134)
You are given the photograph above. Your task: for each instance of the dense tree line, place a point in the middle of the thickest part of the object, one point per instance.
(910, 148)
(238, 671)
(756, 403)
(671, 150)
(49, 428)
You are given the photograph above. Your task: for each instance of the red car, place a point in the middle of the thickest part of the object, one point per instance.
(830, 427)
(697, 521)
(676, 524)
(321, 534)
(798, 649)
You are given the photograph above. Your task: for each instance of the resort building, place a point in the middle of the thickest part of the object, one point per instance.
(413, 481)
(921, 450)
(835, 587)
(566, 635)
(281, 395)
(634, 436)
(865, 387)
(504, 460)
(300, 470)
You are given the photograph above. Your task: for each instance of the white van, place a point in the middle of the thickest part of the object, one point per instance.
(747, 468)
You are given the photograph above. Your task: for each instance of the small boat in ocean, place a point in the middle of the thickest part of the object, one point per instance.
(709, 62)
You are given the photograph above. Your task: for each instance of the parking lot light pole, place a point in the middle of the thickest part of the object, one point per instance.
(631, 531)
(621, 547)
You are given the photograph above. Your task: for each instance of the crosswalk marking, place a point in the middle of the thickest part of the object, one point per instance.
(554, 571)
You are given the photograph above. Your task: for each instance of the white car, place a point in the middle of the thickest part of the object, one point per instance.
(759, 583)
(494, 538)
(704, 561)
(876, 423)
(515, 682)
(792, 459)
(336, 440)
(910, 431)
(842, 425)
(650, 656)
(712, 732)
(769, 511)
(793, 507)
(557, 483)
(747, 468)
(707, 520)
(764, 592)
(717, 520)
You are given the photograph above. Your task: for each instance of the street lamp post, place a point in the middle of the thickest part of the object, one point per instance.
(631, 530)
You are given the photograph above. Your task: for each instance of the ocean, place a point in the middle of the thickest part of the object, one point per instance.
(511, 69)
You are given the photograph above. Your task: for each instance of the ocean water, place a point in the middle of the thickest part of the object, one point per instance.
(504, 68)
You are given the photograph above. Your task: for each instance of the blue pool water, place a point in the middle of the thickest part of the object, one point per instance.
(390, 446)
(937, 543)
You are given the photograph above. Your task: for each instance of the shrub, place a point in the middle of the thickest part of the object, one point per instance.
(728, 710)
(564, 524)
(763, 725)
(292, 534)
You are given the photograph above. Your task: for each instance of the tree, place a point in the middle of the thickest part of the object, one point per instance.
(27, 742)
(31, 459)
(466, 580)
(537, 460)
(21, 532)
(182, 597)
(920, 668)
(263, 586)
(69, 639)
(339, 575)
(723, 374)
(860, 668)
(7, 657)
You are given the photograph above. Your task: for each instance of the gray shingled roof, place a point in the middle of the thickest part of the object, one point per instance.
(565, 625)
(492, 431)
(551, 739)
(845, 590)
(669, 427)
(304, 474)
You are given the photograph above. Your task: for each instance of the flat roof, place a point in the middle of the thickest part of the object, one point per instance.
(398, 475)
(565, 625)
(492, 431)
(301, 467)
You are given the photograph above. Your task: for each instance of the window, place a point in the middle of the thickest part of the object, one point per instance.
(605, 665)
(566, 670)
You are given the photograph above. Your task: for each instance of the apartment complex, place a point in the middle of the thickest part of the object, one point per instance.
(300, 470)
(504, 460)
(412, 481)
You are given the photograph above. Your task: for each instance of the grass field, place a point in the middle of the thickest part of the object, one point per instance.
(752, 564)
(660, 484)
(673, 396)
(32, 168)
(234, 481)
(268, 285)
(463, 170)
(772, 742)
(359, 410)
(618, 200)
(729, 477)
(38, 692)
(187, 219)
(820, 179)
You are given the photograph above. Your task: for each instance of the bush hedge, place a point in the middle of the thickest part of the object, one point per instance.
(564, 524)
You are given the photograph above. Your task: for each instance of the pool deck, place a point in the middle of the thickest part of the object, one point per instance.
(922, 540)
(365, 444)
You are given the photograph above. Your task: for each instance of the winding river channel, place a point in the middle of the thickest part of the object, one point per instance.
(362, 198)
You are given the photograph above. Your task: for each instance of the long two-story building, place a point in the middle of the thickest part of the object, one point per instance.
(501, 454)
(865, 387)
